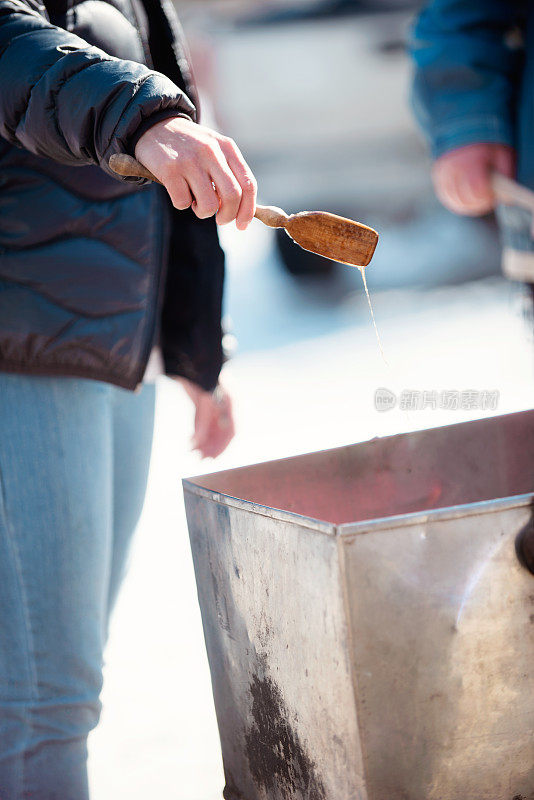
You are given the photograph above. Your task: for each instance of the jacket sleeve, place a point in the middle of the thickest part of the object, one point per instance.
(64, 99)
(467, 65)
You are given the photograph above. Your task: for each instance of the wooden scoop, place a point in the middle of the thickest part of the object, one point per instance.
(317, 231)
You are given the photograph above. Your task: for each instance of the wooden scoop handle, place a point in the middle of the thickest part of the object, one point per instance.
(129, 167)
(272, 216)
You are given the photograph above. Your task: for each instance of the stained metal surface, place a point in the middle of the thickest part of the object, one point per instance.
(369, 625)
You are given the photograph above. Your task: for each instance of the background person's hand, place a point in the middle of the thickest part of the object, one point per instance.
(462, 177)
(190, 160)
(214, 419)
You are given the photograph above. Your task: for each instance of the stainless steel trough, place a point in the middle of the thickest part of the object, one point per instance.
(369, 624)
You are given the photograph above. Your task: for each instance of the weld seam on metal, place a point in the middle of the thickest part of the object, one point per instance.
(351, 657)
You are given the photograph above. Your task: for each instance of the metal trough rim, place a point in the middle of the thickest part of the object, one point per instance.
(347, 529)
(363, 526)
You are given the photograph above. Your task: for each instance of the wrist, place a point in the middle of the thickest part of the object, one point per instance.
(475, 128)
(150, 122)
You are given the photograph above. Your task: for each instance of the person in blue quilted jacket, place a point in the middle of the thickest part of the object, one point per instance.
(105, 282)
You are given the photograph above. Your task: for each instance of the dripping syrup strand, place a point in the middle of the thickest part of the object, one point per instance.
(362, 271)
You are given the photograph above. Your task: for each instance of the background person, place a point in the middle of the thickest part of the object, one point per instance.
(472, 90)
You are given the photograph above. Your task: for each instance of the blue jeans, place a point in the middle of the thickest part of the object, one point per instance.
(74, 458)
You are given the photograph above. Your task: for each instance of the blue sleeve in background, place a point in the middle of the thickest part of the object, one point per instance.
(468, 60)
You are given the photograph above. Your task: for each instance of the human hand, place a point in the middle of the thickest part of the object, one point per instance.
(190, 160)
(462, 177)
(214, 419)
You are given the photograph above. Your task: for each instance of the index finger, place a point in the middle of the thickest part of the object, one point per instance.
(246, 180)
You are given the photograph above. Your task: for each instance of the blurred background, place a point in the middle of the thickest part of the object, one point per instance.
(316, 94)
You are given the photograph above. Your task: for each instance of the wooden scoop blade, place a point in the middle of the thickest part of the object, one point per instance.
(333, 237)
